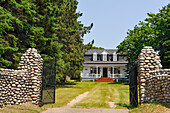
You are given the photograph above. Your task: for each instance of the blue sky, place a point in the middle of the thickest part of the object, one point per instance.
(113, 18)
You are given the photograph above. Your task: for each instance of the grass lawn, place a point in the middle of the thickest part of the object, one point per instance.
(105, 92)
(24, 108)
(100, 94)
(151, 108)
(64, 94)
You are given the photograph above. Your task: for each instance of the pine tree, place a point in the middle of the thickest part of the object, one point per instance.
(70, 33)
(52, 27)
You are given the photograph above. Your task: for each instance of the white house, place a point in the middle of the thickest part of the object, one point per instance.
(104, 63)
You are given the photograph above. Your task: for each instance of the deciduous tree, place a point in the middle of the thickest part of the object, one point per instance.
(154, 31)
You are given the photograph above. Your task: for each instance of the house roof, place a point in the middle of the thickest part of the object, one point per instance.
(100, 51)
(88, 57)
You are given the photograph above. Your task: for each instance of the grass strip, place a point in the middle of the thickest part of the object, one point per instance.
(24, 108)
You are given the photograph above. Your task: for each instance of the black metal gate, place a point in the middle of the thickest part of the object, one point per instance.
(133, 85)
(48, 81)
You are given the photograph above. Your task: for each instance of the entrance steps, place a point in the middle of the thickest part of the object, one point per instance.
(104, 79)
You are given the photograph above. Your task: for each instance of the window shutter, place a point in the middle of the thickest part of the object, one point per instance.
(91, 70)
(91, 57)
(107, 57)
(98, 70)
(98, 57)
(101, 57)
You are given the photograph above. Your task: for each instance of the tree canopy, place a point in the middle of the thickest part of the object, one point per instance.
(153, 31)
(94, 47)
(52, 27)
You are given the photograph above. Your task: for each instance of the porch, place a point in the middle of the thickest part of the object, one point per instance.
(96, 72)
(114, 76)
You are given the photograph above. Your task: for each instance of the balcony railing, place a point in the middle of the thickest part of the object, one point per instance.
(117, 76)
(85, 75)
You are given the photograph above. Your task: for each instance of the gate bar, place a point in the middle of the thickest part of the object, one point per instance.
(133, 86)
(55, 78)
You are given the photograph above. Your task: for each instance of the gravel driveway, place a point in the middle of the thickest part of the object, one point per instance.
(83, 110)
(68, 109)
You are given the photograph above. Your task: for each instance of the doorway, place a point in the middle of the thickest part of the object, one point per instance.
(104, 72)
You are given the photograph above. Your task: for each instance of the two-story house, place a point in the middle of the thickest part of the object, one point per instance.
(104, 63)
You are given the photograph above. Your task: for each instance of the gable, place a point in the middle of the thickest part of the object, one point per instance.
(100, 51)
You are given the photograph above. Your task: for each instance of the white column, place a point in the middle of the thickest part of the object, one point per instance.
(90, 72)
(113, 71)
(102, 71)
(97, 71)
(107, 71)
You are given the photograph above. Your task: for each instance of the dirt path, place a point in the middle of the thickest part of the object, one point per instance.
(112, 104)
(76, 100)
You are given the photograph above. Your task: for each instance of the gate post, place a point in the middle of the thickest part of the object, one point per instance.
(41, 102)
(55, 72)
(133, 91)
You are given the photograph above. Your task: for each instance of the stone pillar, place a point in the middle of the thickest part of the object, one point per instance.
(32, 62)
(148, 60)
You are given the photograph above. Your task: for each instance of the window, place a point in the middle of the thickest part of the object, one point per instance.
(117, 70)
(95, 56)
(114, 56)
(93, 70)
(104, 57)
(104, 53)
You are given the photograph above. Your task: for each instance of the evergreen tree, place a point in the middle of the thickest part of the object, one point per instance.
(15, 30)
(49, 26)
(70, 34)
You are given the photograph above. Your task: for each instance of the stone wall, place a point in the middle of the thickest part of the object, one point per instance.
(20, 86)
(154, 82)
(13, 86)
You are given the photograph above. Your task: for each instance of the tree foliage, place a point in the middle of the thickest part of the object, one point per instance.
(94, 47)
(154, 31)
(50, 26)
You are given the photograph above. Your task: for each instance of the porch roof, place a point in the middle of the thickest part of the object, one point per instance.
(104, 64)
